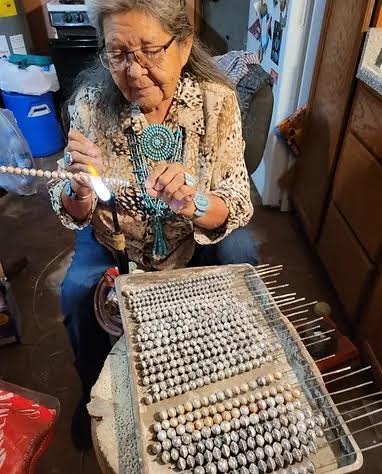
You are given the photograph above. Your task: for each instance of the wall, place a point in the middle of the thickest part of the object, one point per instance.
(225, 25)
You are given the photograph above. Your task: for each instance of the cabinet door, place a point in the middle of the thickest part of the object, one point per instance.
(330, 99)
(345, 261)
(358, 193)
(371, 326)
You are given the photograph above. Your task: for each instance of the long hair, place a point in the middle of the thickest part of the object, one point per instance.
(172, 14)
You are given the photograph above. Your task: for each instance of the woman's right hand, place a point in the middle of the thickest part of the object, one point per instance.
(84, 154)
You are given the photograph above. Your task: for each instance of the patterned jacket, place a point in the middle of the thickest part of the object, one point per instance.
(213, 152)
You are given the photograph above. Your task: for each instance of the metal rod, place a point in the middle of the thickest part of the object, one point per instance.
(313, 303)
(288, 317)
(272, 304)
(349, 375)
(339, 371)
(269, 282)
(344, 390)
(318, 342)
(311, 322)
(318, 361)
(361, 407)
(279, 287)
(318, 334)
(356, 451)
(364, 397)
(356, 418)
(355, 432)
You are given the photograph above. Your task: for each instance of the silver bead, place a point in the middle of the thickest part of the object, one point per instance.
(268, 450)
(199, 470)
(232, 463)
(180, 430)
(225, 451)
(225, 426)
(286, 444)
(182, 465)
(288, 457)
(262, 466)
(242, 459)
(166, 457)
(297, 455)
(177, 442)
(271, 463)
(259, 453)
(209, 444)
(174, 454)
(155, 448)
(161, 436)
(280, 461)
(171, 433)
(183, 451)
(166, 445)
(208, 457)
(186, 439)
(165, 425)
(253, 469)
(210, 468)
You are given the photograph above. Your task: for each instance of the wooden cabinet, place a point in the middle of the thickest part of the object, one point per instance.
(338, 184)
(345, 261)
(357, 193)
(371, 327)
(366, 119)
(332, 89)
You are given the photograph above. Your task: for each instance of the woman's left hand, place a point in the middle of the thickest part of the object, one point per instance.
(167, 182)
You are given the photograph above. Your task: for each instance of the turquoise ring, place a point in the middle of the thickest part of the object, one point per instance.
(189, 180)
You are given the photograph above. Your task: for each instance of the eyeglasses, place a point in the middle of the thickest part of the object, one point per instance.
(147, 57)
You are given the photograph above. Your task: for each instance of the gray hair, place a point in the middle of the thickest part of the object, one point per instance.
(172, 14)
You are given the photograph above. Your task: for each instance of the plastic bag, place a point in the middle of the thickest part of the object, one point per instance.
(27, 423)
(34, 80)
(15, 151)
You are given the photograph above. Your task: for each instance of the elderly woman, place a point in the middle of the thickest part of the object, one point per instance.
(156, 113)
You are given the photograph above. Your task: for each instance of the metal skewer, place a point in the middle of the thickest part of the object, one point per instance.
(361, 407)
(345, 390)
(319, 334)
(363, 450)
(356, 432)
(364, 397)
(360, 417)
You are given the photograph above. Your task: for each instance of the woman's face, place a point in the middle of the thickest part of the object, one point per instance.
(147, 86)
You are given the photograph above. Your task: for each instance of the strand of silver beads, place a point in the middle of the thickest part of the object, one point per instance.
(250, 435)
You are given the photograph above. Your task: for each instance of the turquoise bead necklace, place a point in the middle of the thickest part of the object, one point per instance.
(157, 143)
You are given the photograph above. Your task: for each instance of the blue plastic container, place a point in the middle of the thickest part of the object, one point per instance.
(36, 116)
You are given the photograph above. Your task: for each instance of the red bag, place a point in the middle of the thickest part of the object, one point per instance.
(26, 430)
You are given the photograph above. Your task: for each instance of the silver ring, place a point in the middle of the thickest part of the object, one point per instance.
(68, 158)
(189, 180)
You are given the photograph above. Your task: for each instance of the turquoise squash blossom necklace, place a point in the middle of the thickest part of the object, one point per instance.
(157, 143)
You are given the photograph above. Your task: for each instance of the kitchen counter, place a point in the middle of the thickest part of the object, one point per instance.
(370, 69)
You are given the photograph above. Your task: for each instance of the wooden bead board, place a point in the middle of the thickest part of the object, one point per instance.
(294, 357)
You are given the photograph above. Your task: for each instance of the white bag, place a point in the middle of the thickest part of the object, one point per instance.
(33, 80)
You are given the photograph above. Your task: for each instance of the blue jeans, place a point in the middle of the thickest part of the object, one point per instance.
(90, 343)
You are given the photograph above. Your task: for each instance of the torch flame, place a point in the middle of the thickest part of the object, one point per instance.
(98, 185)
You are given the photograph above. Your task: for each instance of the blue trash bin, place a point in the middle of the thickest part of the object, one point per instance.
(36, 116)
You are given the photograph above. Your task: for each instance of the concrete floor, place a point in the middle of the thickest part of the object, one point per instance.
(44, 361)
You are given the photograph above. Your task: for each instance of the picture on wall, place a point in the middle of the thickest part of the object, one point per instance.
(276, 43)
